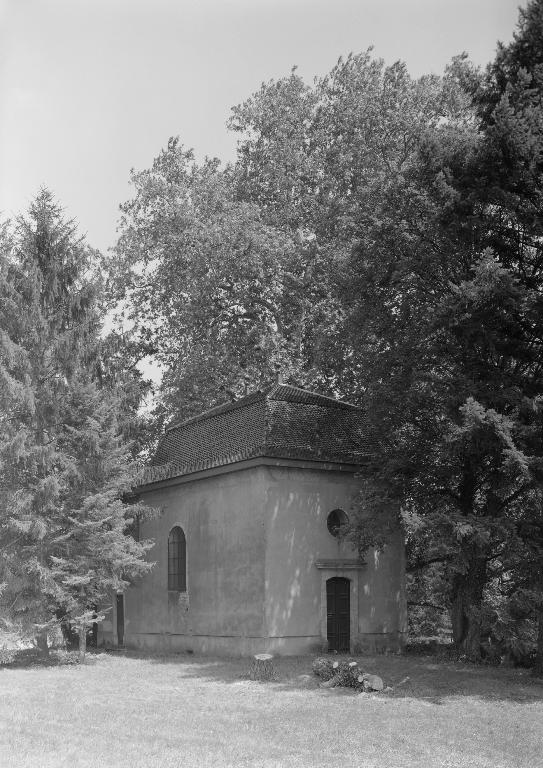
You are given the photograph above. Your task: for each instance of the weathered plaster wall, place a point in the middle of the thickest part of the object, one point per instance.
(297, 505)
(382, 607)
(222, 518)
(254, 539)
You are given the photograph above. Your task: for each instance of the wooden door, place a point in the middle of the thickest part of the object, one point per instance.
(338, 610)
(92, 637)
(120, 620)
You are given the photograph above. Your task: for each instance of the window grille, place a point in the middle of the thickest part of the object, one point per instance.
(335, 521)
(177, 560)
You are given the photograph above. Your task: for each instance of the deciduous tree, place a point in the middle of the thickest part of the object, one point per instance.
(234, 272)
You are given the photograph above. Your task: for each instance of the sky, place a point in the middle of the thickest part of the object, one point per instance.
(92, 88)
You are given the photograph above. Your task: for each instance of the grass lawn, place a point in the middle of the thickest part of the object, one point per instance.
(131, 711)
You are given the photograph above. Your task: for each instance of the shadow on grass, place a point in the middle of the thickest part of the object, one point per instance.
(57, 657)
(425, 678)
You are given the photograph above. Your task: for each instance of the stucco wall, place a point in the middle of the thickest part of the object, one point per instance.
(381, 592)
(256, 542)
(222, 518)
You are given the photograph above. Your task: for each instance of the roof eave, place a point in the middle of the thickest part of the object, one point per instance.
(192, 474)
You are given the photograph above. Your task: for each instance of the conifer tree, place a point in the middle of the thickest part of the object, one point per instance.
(511, 170)
(64, 467)
(447, 305)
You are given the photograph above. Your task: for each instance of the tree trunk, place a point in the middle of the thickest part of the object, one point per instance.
(468, 586)
(42, 643)
(538, 666)
(466, 609)
(82, 643)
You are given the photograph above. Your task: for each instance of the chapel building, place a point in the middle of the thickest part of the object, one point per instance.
(251, 497)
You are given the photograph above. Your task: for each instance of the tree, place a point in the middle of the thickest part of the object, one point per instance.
(221, 296)
(233, 272)
(448, 303)
(308, 157)
(511, 107)
(64, 465)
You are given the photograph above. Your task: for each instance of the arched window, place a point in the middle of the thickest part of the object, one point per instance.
(335, 521)
(177, 560)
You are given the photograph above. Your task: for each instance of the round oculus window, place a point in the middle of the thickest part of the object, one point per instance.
(335, 521)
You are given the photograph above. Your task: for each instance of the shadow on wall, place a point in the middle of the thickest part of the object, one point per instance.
(296, 538)
(298, 504)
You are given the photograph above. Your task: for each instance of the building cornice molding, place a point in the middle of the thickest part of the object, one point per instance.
(260, 461)
(340, 564)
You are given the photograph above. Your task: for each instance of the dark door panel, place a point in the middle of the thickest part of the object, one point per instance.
(338, 610)
(120, 620)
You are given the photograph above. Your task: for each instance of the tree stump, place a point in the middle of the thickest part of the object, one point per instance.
(262, 667)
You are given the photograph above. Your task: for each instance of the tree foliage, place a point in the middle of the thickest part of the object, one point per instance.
(232, 273)
(451, 306)
(64, 464)
(214, 294)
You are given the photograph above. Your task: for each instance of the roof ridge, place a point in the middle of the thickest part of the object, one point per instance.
(217, 410)
(273, 390)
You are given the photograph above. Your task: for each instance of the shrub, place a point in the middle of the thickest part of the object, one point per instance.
(345, 673)
(6, 654)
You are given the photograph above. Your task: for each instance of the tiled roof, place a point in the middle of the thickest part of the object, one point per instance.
(279, 422)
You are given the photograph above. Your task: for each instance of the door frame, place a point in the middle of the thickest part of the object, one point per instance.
(346, 570)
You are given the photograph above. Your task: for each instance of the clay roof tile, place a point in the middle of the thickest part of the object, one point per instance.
(280, 422)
